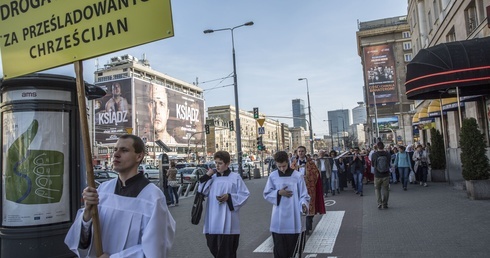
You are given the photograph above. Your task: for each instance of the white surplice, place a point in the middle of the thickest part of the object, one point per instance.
(286, 216)
(219, 218)
(130, 227)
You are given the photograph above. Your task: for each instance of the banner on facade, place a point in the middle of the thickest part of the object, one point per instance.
(380, 74)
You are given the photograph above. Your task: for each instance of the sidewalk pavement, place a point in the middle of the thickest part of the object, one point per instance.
(433, 221)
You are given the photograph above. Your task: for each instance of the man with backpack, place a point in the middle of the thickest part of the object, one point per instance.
(381, 164)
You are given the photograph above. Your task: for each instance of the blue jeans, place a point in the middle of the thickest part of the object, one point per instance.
(358, 180)
(404, 172)
(174, 195)
(334, 180)
(325, 182)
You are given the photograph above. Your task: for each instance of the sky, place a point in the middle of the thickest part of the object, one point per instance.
(290, 39)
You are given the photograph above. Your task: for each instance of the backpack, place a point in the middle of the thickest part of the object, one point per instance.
(382, 164)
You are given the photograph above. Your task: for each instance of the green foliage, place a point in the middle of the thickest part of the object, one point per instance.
(437, 157)
(473, 151)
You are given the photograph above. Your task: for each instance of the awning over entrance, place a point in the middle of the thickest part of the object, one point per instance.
(434, 108)
(463, 64)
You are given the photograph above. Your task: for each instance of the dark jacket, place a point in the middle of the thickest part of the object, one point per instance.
(374, 161)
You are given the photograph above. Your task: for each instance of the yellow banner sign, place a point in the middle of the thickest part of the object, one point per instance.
(37, 35)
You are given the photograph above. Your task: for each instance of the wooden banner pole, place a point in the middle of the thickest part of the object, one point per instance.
(82, 109)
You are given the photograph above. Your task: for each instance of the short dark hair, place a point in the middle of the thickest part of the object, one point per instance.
(333, 152)
(301, 147)
(380, 145)
(138, 144)
(401, 147)
(222, 155)
(281, 156)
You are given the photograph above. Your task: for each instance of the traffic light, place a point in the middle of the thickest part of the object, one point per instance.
(259, 143)
(232, 126)
(256, 112)
(206, 127)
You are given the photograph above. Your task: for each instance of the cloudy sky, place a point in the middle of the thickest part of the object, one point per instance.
(290, 39)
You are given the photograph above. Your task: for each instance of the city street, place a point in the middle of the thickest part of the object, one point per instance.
(434, 221)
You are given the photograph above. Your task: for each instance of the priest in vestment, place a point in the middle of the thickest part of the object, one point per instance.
(134, 219)
(286, 191)
(307, 167)
(226, 194)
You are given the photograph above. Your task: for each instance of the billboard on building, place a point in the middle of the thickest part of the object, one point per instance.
(380, 74)
(390, 122)
(168, 115)
(113, 112)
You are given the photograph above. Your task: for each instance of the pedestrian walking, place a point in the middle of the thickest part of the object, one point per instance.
(402, 162)
(323, 164)
(421, 164)
(381, 163)
(226, 193)
(357, 168)
(335, 167)
(134, 218)
(173, 185)
(286, 191)
(309, 170)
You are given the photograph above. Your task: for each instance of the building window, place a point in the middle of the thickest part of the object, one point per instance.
(406, 34)
(436, 4)
(407, 57)
(471, 20)
(407, 45)
(451, 36)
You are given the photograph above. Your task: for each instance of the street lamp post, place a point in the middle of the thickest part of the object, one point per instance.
(309, 114)
(235, 84)
(330, 126)
(343, 131)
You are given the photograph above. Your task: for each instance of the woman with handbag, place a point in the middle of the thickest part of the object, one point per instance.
(173, 185)
(421, 164)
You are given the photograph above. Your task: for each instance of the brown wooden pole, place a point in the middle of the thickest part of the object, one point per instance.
(82, 109)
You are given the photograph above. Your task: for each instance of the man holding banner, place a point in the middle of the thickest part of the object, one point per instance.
(134, 218)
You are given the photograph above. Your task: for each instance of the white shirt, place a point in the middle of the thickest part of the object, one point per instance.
(130, 227)
(219, 218)
(286, 216)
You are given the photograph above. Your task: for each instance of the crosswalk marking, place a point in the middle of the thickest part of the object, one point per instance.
(322, 239)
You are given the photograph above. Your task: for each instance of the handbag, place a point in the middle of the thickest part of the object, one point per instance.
(197, 207)
(173, 183)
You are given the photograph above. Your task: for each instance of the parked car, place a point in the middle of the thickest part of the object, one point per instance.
(207, 166)
(190, 175)
(101, 176)
(150, 171)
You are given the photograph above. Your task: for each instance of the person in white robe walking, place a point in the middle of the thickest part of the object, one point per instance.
(134, 219)
(226, 194)
(286, 191)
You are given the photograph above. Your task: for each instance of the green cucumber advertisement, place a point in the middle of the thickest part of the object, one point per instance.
(35, 177)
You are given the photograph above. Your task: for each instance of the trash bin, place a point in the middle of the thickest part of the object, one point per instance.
(42, 164)
(256, 173)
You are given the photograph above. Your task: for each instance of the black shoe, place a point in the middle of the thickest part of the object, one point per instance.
(338, 191)
(379, 206)
(361, 194)
(333, 193)
(385, 206)
(404, 188)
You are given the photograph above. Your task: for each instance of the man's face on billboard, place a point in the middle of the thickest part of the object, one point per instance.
(160, 108)
(116, 89)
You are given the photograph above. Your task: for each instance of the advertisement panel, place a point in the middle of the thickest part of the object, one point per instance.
(113, 112)
(46, 34)
(168, 115)
(387, 122)
(35, 168)
(379, 71)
